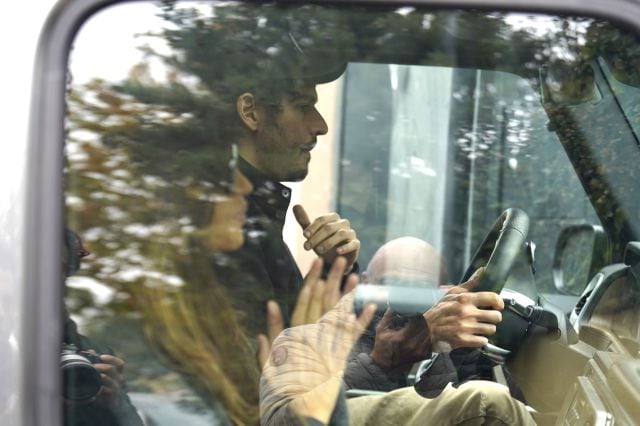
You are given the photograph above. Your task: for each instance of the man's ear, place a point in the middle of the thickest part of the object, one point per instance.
(246, 108)
(363, 277)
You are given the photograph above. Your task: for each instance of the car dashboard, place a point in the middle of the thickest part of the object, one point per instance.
(600, 378)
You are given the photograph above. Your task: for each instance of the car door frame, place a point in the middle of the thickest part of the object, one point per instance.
(38, 399)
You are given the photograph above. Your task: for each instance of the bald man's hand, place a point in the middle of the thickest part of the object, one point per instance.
(397, 346)
(462, 318)
(329, 236)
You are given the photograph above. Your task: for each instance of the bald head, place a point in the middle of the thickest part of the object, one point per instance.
(406, 261)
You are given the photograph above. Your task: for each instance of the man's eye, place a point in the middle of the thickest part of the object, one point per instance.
(305, 107)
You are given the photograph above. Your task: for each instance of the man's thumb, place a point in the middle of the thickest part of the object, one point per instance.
(301, 216)
(474, 280)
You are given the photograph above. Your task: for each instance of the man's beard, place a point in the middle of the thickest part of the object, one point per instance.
(280, 162)
(278, 168)
(296, 176)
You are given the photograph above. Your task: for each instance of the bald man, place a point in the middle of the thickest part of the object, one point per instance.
(406, 262)
(392, 344)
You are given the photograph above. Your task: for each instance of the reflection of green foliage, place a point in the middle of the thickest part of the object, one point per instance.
(81, 299)
(619, 48)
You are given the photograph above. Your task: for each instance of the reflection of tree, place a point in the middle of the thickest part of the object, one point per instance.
(114, 208)
(620, 49)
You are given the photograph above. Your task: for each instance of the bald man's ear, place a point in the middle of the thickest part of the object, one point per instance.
(363, 277)
(246, 108)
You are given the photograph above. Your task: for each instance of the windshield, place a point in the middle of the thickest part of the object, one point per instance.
(194, 131)
(459, 147)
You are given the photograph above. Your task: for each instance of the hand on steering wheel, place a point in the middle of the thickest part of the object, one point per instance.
(499, 251)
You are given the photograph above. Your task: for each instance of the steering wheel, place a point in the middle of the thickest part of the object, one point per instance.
(499, 250)
(498, 253)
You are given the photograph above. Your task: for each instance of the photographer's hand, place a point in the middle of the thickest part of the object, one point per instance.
(111, 374)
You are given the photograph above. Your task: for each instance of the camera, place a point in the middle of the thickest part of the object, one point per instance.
(80, 378)
(403, 300)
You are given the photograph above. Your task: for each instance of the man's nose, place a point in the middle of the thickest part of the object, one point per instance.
(319, 124)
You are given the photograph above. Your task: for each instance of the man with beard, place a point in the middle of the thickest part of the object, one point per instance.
(280, 129)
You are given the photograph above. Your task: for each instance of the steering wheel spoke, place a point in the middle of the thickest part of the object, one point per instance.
(499, 250)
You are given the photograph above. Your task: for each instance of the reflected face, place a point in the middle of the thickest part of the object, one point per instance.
(229, 216)
(285, 140)
(73, 251)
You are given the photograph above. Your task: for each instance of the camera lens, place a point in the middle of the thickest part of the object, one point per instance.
(81, 380)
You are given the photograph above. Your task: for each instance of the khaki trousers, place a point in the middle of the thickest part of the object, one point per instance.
(473, 403)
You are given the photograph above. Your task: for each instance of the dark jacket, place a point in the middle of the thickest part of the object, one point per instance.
(263, 268)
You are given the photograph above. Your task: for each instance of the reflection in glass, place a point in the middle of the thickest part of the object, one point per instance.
(440, 123)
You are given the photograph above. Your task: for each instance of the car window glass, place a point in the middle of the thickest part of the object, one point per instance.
(420, 128)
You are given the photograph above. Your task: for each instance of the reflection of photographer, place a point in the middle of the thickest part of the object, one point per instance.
(94, 390)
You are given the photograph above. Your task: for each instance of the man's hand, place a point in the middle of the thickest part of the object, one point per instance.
(464, 319)
(317, 297)
(394, 347)
(329, 236)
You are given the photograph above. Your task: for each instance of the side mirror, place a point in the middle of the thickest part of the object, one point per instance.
(581, 251)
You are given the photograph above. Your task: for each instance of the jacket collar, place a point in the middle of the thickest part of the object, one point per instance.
(272, 198)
